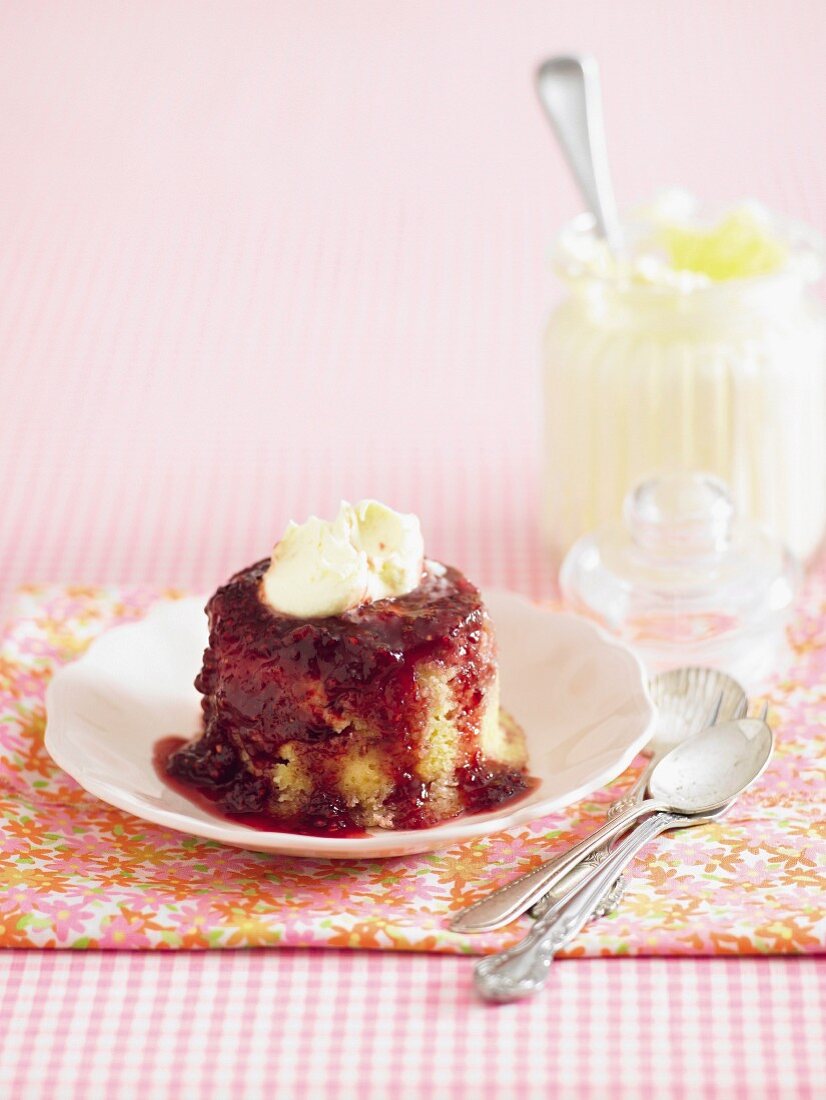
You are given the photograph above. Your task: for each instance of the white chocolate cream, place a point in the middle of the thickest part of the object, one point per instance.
(668, 244)
(367, 553)
(699, 346)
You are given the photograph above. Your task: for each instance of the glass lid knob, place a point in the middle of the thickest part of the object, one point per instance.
(680, 516)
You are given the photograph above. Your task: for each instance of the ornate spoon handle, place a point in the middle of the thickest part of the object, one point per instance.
(504, 905)
(632, 797)
(636, 792)
(523, 969)
(569, 882)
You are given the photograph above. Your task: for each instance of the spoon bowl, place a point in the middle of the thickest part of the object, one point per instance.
(684, 697)
(712, 767)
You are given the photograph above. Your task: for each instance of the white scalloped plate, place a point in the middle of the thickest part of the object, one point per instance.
(580, 697)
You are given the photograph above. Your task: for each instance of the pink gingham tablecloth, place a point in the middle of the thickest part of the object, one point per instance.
(342, 1025)
(255, 257)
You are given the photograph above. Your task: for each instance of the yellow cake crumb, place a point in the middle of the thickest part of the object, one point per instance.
(363, 776)
(440, 743)
(291, 778)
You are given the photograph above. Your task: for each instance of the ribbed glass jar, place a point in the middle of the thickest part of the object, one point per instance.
(728, 377)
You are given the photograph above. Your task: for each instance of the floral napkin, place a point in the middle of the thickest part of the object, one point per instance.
(75, 872)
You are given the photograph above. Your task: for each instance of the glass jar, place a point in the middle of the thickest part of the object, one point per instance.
(645, 377)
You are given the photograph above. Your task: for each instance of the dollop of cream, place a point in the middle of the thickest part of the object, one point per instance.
(672, 243)
(368, 552)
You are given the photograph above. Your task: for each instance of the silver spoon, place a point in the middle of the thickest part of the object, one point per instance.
(568, 89)
(695, 783)
(687, 701)
(683, 696)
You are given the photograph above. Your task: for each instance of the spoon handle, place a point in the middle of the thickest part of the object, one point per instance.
(502, 906)
(636, 792)
(569, 882)
(569, 90)
(634, 795)
(523, 969)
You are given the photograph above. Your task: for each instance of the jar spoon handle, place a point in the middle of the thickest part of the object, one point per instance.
(569, 91)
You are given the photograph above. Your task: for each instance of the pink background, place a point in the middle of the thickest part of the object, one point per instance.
(254, 257)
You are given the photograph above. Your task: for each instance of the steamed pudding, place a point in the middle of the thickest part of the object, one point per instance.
(349, 682)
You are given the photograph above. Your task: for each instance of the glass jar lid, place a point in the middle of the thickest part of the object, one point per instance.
(684, 580)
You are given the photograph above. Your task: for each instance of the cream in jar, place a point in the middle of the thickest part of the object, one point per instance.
(699, 347)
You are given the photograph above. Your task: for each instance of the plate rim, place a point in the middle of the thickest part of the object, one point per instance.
(378, 843)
